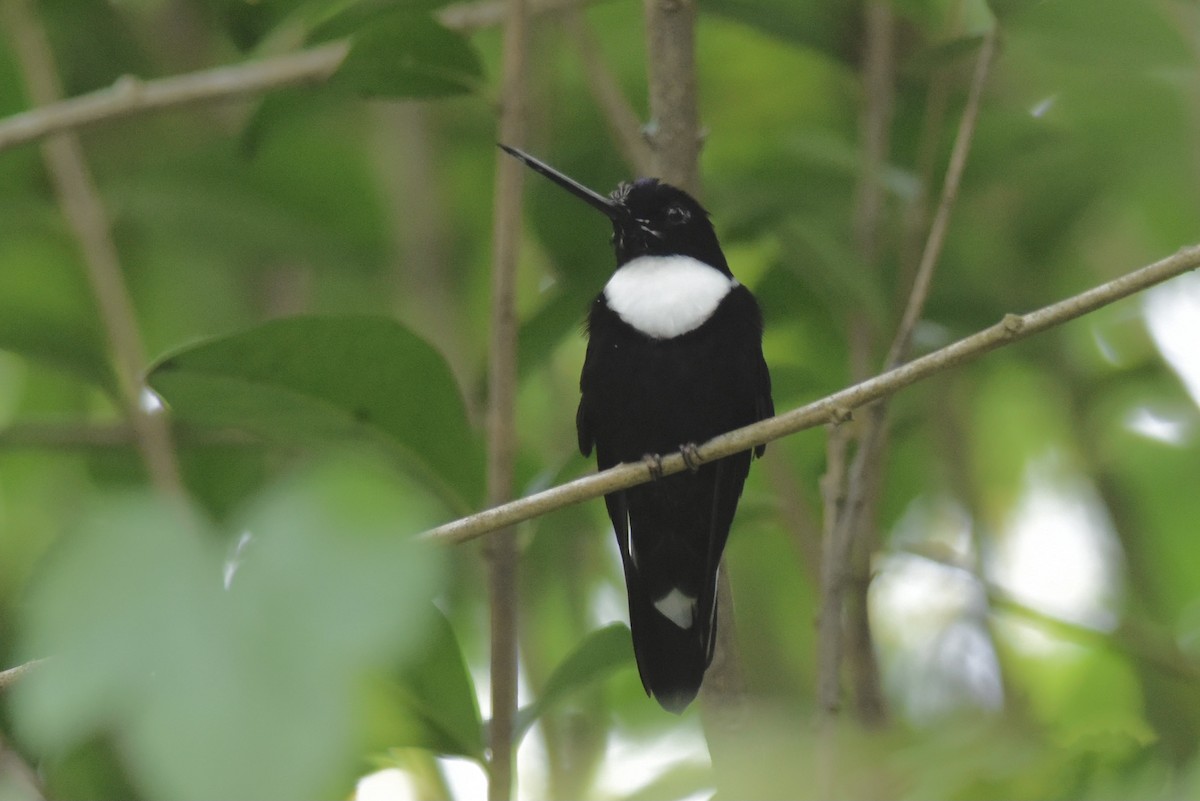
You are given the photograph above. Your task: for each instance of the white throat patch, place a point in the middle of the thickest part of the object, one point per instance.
(665, 296)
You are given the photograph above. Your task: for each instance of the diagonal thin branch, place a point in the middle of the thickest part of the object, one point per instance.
(131, 95)
(941, 220)
(471, 16)
(85, 214)
(12, 675)
(836, 567)
(622, 120)
(1137, 640)
(833, 408)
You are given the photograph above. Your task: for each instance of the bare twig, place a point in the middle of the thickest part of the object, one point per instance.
(622, 120)
(875, 125)
(832, 408)
(674, 129)
(85, 213)
(131, 95)
(469, 17)
(916, 214)
(833, 483)
(868, 456)
(1135, 640)
(12, 675)
(1132, 638)
(941, 219)
(502, 388)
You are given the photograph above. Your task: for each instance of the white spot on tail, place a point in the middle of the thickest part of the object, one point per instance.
(665, 296)
(680, 609)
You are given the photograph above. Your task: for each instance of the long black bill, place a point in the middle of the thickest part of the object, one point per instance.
(592, 198)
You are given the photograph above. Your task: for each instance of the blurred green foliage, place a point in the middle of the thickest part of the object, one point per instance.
(311, 275)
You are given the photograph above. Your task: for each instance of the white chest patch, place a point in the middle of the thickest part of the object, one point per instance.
(665, 296)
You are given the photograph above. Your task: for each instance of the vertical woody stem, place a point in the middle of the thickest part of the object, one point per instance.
(502, 381)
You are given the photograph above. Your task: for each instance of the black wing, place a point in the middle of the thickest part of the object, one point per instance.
(642, 396)
(764, 405)
(584, 424)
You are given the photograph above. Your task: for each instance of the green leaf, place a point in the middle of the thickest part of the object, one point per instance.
(602, 653)
(306, 379)
(133, 569)
(431, 704)
(245, 692)
(407, 54)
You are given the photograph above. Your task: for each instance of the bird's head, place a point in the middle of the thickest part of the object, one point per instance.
(649, 217)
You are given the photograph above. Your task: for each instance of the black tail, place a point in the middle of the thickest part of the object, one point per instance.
(671, 660)
(671, 534)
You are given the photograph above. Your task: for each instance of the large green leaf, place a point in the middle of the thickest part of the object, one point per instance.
(600, 654)
(305, 379)
(431, 704)
(246, 692)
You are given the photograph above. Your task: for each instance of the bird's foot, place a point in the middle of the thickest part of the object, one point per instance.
(653, 463)
(691, 456)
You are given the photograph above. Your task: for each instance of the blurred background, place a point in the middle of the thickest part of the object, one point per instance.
(309, 271)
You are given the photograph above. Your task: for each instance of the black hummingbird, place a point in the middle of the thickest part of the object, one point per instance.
(674, 358)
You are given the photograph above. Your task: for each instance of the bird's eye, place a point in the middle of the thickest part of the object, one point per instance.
(677, 215)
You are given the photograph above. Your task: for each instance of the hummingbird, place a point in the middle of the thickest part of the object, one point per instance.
(674, 358)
